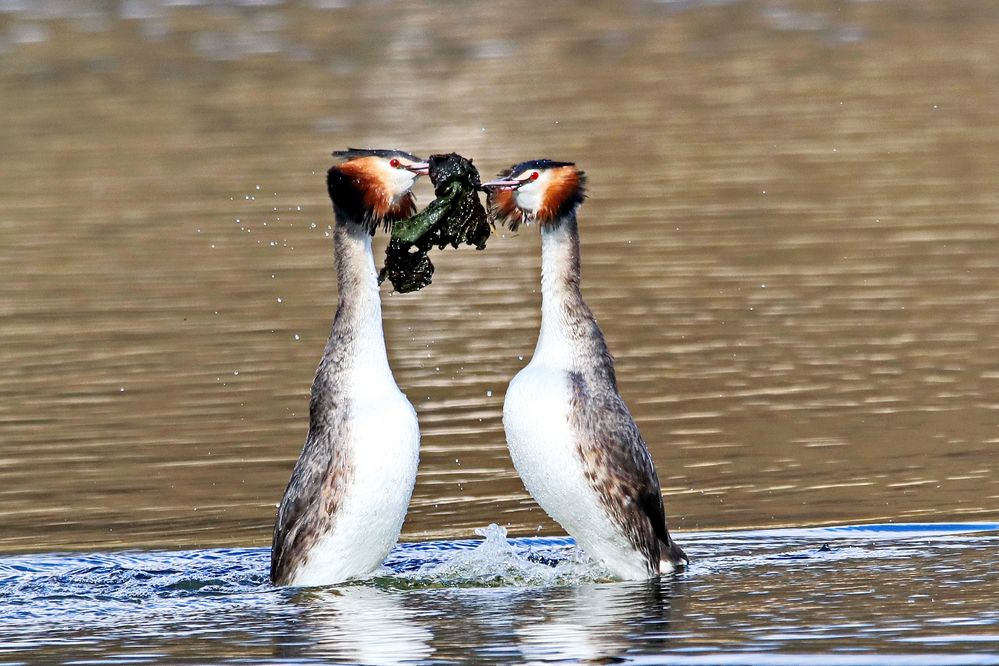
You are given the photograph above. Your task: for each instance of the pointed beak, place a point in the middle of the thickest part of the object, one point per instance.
(420, 168)
(502, 184)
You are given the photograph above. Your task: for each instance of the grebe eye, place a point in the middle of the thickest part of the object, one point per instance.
(534, 175)
(394, 163)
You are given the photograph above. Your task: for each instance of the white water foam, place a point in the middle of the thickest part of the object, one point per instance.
(499, 562)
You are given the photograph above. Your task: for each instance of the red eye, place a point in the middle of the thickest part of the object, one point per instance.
(534, 175)
(394, 163)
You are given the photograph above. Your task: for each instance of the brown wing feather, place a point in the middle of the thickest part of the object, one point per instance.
(317, 484)
(619, 466)
(294, 530)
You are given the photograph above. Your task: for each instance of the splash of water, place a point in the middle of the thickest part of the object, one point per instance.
(499, 562)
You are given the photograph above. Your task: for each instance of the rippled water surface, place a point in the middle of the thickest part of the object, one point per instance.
(842, 595)
(791, 244)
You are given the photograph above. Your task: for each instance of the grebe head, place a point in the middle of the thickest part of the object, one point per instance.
(541, 191)
(373, 187)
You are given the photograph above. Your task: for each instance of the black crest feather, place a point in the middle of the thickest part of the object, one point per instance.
(355, 153)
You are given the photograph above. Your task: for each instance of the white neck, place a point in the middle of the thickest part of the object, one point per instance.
(566, 321)
(357, 326)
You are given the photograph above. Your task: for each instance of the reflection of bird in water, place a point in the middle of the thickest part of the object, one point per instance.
(345, 503)
(358, 624)
(593, 622)
(571, 437)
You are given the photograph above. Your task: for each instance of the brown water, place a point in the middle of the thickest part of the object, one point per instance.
(791, 244)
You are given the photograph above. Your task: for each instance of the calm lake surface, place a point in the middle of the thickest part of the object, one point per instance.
(791, 244)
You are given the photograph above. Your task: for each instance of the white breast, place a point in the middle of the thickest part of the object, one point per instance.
(543, 448)
(384, 452)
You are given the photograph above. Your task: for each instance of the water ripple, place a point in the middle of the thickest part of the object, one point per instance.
(535, 598)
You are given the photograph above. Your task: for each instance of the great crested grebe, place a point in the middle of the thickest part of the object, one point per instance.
(572, 439)
(345, 503)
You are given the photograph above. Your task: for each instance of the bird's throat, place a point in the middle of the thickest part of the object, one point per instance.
(566, 321)
(357, 325)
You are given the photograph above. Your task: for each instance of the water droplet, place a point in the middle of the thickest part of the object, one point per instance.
(280, 300)
(235, 372)
(296, 336)
(489, 394)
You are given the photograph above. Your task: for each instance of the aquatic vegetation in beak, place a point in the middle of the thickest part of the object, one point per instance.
(456, 217)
